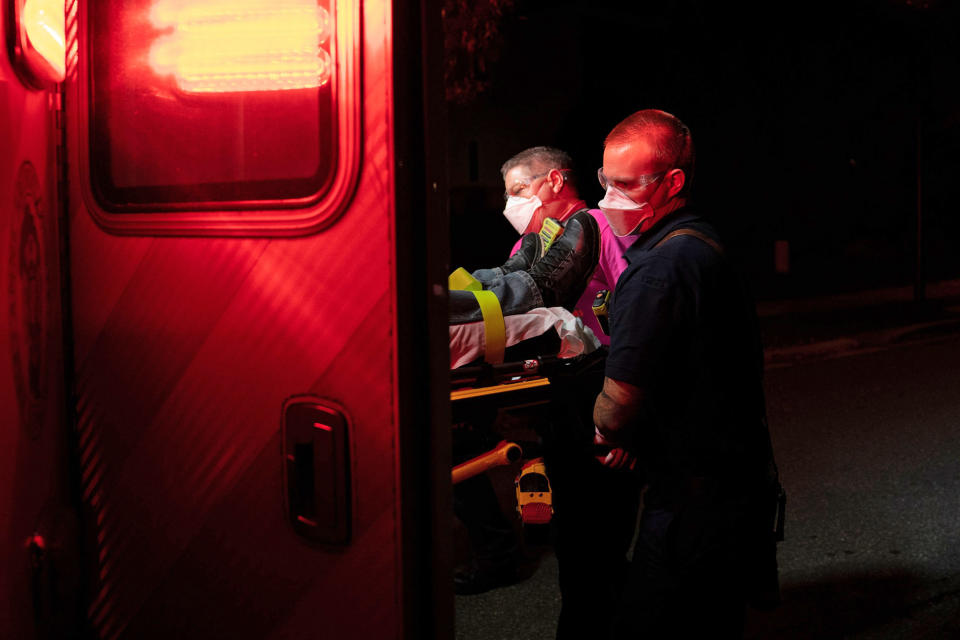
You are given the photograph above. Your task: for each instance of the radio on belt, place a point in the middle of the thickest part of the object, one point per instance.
(600, 309)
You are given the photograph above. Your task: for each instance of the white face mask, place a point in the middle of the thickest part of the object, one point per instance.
(624, 215)
(519, 211)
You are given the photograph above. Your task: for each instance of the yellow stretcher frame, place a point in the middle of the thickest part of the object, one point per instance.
(506, 452)
(503, 454)
(477, 392)
(521, 384)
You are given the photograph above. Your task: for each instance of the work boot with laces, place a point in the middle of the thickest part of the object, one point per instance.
(531, 248)
(563, 272)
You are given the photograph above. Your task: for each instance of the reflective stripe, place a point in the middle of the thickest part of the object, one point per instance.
(550, 231)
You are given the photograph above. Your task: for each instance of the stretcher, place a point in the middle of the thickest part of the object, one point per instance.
(484, 377)
(482, 389)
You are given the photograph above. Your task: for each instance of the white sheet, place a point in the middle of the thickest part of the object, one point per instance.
(468, 341)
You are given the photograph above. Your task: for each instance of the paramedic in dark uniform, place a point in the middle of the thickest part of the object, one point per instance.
(682, 399)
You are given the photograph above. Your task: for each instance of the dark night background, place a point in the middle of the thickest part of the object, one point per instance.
(809, 120)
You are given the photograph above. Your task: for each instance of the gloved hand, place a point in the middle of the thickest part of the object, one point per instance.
(617, 458)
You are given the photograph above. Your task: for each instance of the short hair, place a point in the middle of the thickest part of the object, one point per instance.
(541, 158)
(672, 140)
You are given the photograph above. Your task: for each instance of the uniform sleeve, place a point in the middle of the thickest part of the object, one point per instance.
(647, 314)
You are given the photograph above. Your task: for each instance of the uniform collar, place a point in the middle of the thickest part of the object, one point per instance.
(670, 222)
(659, 231)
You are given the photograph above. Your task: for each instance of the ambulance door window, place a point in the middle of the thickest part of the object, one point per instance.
(204, 105)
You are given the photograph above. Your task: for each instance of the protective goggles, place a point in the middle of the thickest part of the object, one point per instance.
(522, 185)
(639, 183)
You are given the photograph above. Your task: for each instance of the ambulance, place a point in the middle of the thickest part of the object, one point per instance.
(224, 399)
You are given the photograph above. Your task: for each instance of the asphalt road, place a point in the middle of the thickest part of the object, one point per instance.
(869, 452)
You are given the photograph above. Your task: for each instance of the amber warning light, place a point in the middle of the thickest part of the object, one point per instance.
(38, 41)
(212, 46)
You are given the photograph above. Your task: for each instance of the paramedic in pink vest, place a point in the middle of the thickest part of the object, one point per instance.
(539, 185)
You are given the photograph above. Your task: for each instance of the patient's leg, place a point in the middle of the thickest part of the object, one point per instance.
(517, 293)
(558, 279)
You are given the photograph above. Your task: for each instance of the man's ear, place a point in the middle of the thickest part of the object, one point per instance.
(675, 181)
(556, 180)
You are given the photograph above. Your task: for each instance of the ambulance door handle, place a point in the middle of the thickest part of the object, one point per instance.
(317, 470)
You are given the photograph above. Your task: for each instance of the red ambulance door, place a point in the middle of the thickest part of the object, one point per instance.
(260, 431)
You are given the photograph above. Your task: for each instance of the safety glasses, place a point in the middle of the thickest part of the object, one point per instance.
(639, 183)
(521, 185)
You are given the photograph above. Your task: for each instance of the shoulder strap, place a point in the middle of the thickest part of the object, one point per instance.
(696, 234)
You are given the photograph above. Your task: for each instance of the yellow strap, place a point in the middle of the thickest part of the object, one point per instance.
(493, 327)
(461, 280)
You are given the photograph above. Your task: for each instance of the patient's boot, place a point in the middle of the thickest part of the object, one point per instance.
(563, 273)
(559, 278)
(531, 248)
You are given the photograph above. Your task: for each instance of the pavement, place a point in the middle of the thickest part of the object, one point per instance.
(836, 326)
(844, 324)
(793, 331)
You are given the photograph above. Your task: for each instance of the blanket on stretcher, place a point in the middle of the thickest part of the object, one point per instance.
(468, 341)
